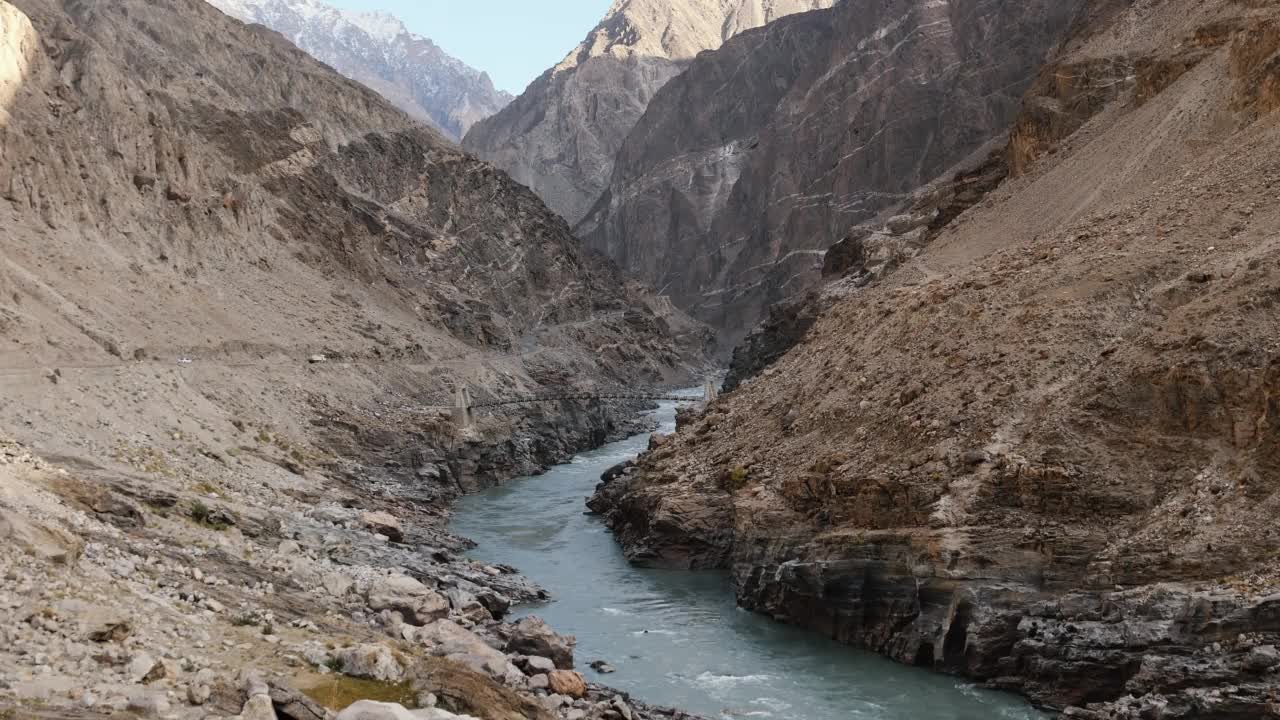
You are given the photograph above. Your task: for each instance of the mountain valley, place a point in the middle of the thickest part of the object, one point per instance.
(288, 295)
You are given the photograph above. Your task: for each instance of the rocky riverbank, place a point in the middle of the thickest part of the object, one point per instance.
(311, 591)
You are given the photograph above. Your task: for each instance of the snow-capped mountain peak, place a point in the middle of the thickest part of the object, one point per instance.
(375, 48)
(381, 26)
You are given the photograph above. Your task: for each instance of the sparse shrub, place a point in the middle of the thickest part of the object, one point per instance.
(734, 479)
(207, 517)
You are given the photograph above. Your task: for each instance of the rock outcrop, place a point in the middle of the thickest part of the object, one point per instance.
(1039, 452)
(561, 135)
(868, 252)
(754, 161)
(377, 50)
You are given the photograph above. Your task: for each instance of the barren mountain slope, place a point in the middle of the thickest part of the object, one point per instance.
(377, 50)
(750, 164)
(236, 293)
(1043, 453)
(561, 135)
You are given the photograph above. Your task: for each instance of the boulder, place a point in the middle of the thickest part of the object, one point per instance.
(618, 470)
(535, 664)
(199, 693)
(903, 224)
(467, 605)
(336, 584)
(291, 704)
(417, 603)
(144, 668)
(495, 602)
(1262, 658)
(532, 636)
(252, 683)
(370, 661)
(110, 630)
(45, 542)
(567, 682)
(438, 714)
(150, 704)
(383, 523)
(445, 638)
(372, 710)
(258, 707)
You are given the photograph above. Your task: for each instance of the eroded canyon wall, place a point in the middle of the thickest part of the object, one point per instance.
(1041, 452)
(759, 157)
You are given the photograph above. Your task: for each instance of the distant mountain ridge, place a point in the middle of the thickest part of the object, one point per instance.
(377, 50)
(560, 137)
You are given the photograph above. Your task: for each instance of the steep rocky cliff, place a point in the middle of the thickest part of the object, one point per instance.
(377, 50)
(561, 135)
(1041, 453)
(749, 165)
(237, 292)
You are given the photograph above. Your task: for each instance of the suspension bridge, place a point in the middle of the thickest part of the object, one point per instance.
(464, 406)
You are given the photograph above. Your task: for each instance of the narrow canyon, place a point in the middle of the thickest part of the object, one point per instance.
(802, 359)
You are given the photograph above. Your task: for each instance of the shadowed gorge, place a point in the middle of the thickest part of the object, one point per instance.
(747, 167)
(1033, 448)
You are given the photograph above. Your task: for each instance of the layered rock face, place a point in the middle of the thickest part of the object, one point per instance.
(377, 50)
(560, 137)
(747, 167)
(1039, 452)
(868, 252)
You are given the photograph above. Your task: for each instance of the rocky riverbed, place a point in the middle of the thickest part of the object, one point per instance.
(268, 594)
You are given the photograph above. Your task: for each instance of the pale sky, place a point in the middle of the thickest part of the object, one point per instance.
(512, 40)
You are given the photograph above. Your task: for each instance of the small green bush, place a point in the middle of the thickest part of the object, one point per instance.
(204, 515)
(734, 479)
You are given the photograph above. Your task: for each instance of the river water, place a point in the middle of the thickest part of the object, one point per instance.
(677, 638)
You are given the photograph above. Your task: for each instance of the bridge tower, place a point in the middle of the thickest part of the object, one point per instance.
(462, 416)
(709, 391)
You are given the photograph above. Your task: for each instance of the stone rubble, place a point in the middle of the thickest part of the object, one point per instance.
(174, 618)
